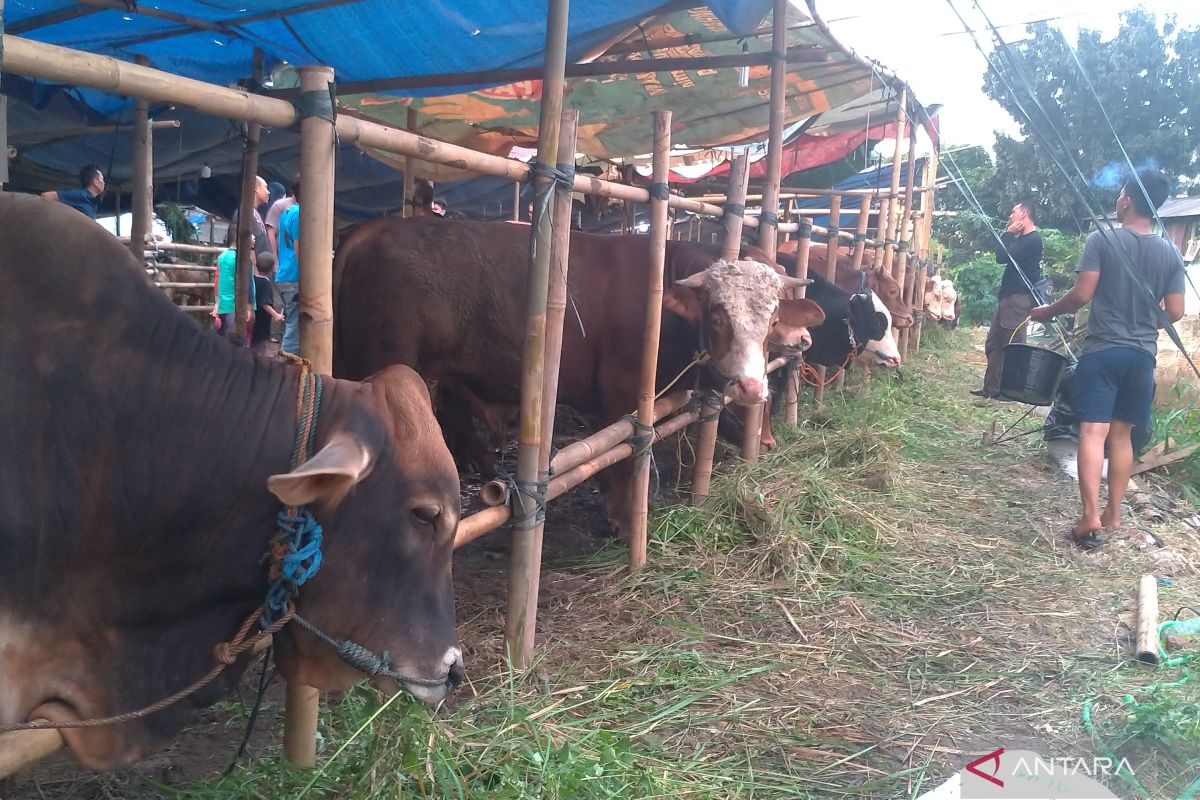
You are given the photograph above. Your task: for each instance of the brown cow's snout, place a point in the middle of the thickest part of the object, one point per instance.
(457, 674)
(746, 391)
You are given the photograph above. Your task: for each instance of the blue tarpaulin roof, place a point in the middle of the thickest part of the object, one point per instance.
(360, 39)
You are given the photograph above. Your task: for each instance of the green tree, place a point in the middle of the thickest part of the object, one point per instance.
(1147, 77)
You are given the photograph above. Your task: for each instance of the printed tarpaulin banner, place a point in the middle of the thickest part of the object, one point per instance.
(710, 106)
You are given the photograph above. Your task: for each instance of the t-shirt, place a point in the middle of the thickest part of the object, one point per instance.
(288, 270)
(262, 244)
(276, 211)
(81, 200)
(264, 295)
(1121, 313)
(1026, 254)
(227, 281)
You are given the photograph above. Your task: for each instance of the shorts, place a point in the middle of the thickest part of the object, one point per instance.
(1116, 383)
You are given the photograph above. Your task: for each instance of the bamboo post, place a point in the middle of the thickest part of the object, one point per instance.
(559, 206)
(20, 749)
(904, 241)
(1147, 620)
(856, 260)
(317, 151)
(928, 199)
(525, 553)
(803, 248)
(516, 212)
(143, 176)
(706, 435)
(479, 523)
(889, 248)
(768, 231)
(882, 222)
(640, 505)
(4, 119)
(244, 275)
(833, 245)
(406, 207)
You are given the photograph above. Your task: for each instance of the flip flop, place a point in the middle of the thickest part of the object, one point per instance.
(1087, 540)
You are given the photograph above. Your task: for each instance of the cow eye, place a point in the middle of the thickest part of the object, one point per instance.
(427, 514)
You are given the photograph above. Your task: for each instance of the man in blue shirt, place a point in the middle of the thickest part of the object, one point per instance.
(87, 197)
(287, 276)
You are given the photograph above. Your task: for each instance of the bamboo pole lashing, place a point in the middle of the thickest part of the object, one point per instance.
(609, 437)
(480, 523)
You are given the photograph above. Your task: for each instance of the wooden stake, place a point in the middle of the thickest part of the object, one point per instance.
(525, 553)
(244, 277)
(1147, 620)
(833, 245)
(516, 214)
(768, 232)
(889, 237)
(902, 235)
(302, 707)
(640, 505)
(706, 435)
(317, 151)
(143, 177)
(409, 165)
(22, 749)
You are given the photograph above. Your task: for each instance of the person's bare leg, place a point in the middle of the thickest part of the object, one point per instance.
(1091, 467)
(1120, 465)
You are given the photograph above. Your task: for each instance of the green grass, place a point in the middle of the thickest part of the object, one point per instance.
(859, 614)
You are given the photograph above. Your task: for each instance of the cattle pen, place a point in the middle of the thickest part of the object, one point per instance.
(890, 231)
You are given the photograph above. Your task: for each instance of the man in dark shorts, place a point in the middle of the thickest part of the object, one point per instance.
(1021, 253)
(1114, 379)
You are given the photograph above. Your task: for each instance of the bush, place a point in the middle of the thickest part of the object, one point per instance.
(977, 283)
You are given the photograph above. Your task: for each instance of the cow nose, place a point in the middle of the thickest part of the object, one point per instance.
(805, 340)
(749, 390)
(453, 660)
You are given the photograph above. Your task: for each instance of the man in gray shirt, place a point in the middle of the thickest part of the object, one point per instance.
(1113, 385)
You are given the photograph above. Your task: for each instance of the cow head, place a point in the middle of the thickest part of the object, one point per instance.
(867, 323)
(883, 351)
(739, 307)
(891, 293)
(388, 498)
(933, 297)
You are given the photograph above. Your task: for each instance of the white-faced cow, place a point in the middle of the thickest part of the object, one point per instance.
(448, 299)
(143, 465)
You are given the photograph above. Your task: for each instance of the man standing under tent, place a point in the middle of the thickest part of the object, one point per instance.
(276, 211)
(87, 197)
(1113, 384)
(1021, 253)
(287, 276)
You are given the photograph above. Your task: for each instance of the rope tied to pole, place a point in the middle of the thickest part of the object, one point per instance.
(294, 553)
(642, 438)
(660, 191)
(734, 209)
(804, 231)
(520, 493)
(769, 218)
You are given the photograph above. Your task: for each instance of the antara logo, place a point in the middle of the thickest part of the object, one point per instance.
(991, 758)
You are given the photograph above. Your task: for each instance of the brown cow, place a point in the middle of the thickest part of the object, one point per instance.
(131, 543)
(448, 298)
(878, 281)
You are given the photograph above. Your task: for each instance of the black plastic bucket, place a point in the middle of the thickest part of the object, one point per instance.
(1031, 374)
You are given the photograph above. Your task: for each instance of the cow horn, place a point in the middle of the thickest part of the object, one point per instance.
(692, 281)
(792, 283)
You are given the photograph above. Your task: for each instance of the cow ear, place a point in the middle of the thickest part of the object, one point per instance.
(327, 476)
(684, 301)
(795, 316)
